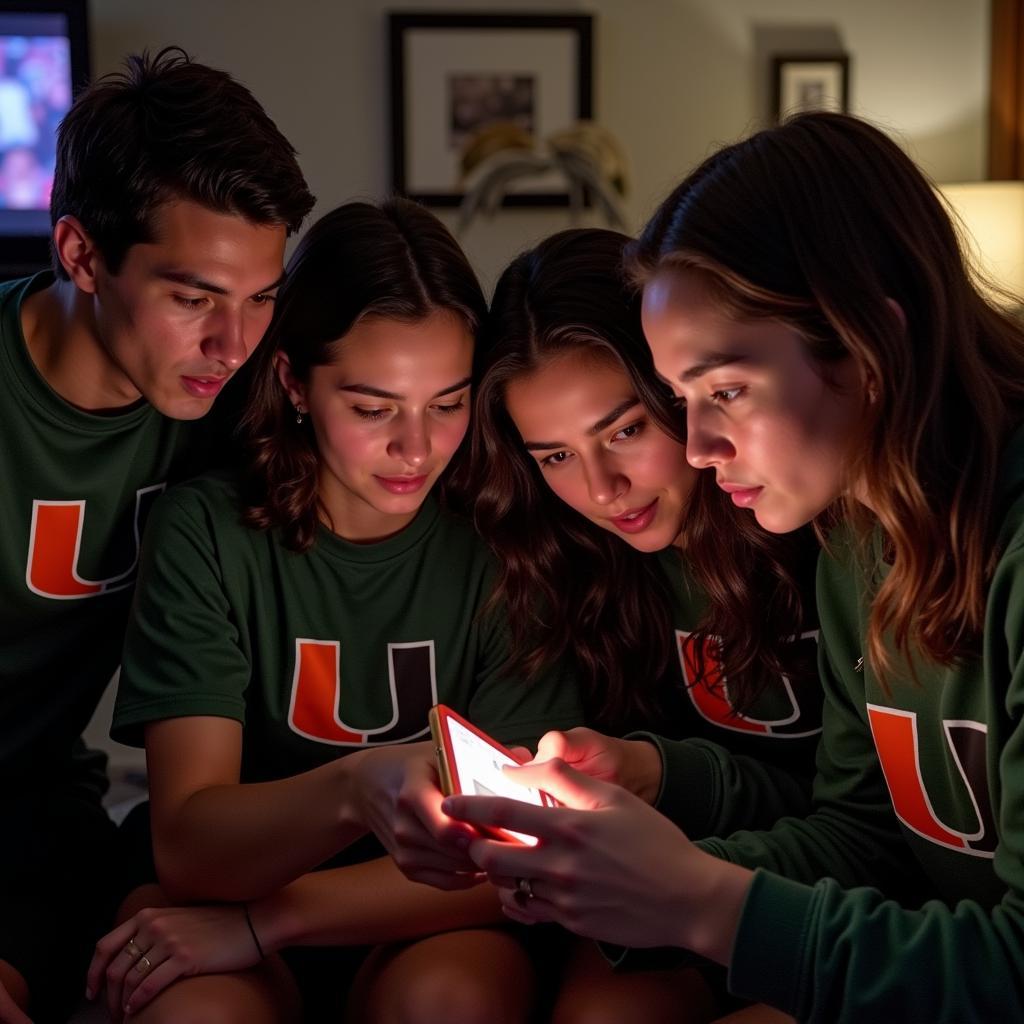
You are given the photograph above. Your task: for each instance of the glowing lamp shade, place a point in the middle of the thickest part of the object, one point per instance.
(992, 213)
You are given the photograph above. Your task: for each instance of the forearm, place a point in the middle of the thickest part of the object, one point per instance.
(828, 955)
(242, 841)
(366, 903)
(708, 790)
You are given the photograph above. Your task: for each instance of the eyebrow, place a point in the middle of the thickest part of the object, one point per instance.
(712, 362)
(604, 421)
(195, 281)
(366, 389)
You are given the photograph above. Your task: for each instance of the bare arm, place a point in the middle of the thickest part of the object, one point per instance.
(217, 839)
(369, 903)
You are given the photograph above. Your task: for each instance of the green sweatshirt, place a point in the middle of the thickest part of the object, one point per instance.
(918, 794)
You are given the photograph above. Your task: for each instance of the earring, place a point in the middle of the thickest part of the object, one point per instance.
(298, 415)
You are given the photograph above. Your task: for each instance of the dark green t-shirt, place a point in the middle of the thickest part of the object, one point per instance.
(920, 791)
(340, 647)
(725, 769)
(77, 491)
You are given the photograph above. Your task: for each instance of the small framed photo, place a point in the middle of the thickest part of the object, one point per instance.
(454, 74)
(804, 83)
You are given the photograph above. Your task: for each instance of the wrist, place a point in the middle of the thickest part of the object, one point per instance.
(641, 769)
(275, 921)
(348, 786)
(708, 923)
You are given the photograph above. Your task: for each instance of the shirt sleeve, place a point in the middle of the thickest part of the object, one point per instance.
(832, 952)
(183, 651)
(707, 790)
(853, 834)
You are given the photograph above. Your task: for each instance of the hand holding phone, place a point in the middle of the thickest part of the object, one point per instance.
(470, 763)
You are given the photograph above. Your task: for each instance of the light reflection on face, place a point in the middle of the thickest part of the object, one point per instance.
(759, 412)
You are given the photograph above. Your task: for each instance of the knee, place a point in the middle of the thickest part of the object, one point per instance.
(450, 994)
(189, 1003)
(584, 1010)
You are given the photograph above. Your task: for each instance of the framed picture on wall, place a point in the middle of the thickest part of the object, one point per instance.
(803, 83)
(453, 75)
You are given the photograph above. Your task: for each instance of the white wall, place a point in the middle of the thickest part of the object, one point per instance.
(672, 79)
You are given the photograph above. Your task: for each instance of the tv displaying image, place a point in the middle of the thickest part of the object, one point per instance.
(43, 61)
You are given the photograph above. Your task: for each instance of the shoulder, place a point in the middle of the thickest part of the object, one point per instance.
(212, 499)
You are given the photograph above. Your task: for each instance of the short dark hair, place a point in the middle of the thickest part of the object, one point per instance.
(166, 128)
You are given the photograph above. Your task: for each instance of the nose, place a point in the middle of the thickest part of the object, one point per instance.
(226, 340)
(604, 483)
(705, 446)
(411, 443)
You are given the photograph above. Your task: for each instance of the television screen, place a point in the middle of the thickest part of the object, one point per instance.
(43, 60)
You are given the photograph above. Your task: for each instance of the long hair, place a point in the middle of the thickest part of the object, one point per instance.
(824, 224)
(166, 128)
(571, 587)
(396, 261)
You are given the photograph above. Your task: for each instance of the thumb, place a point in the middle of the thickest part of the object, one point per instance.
(565, 784)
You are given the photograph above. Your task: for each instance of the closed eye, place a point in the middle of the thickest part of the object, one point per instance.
(190, 303)
(369, 414)
(453, 407)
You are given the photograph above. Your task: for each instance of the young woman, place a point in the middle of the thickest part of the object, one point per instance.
(583, 490)
(314, 609)
(805, 294)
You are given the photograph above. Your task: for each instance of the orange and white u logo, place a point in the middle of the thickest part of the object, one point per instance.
(709, 692)
(55, 542)
(896, 740)
(316, 700)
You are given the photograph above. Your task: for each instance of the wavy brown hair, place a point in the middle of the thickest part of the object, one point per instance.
(395, 261)
(571, 587)
(824, 224)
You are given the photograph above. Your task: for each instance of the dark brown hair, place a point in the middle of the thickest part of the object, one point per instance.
(396, 261)
(571, 587)
(826, 225)
(167, 128)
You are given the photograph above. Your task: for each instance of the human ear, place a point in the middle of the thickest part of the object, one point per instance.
(293, 387)
(77, 252)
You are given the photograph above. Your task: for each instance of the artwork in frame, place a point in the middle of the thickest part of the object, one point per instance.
(804, 82)
(454, 74)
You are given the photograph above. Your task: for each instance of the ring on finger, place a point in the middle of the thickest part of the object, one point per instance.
(143, 965)
(131, 950)
(524, 891)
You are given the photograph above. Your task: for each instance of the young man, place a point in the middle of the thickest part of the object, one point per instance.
(173, 195)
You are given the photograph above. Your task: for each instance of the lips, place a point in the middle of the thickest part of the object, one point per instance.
(403, 484)
(636, 520)
(204, 386)
(742, 495)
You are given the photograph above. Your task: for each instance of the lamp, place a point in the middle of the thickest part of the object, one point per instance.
(992, 212)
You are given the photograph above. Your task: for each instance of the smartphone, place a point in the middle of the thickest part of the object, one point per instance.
(470, 762)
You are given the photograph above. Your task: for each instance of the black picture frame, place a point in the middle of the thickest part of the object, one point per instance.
(404, 24)
(824, 80)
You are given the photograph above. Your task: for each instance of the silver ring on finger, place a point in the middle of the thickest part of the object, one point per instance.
(143, 965)
(524, 891)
